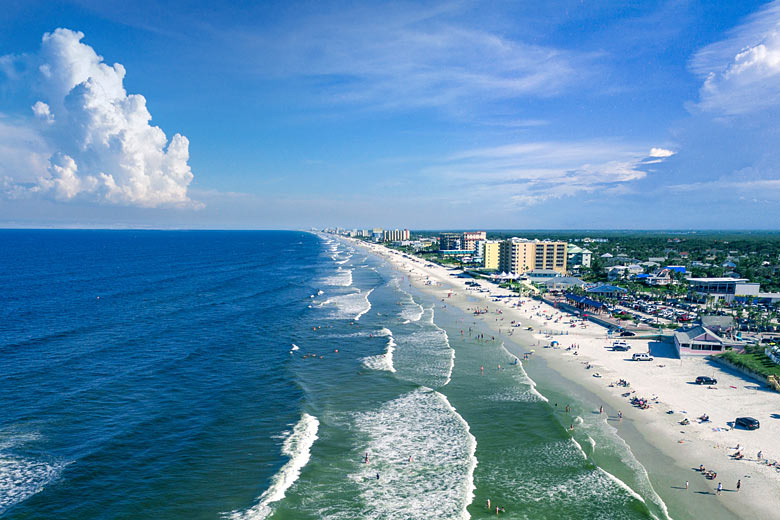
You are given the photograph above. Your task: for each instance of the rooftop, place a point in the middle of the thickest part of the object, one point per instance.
(717, 280)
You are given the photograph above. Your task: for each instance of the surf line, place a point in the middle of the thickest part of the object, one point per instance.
(297, 446)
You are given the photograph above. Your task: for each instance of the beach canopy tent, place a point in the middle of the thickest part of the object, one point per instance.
(608, 290)
(582, 300)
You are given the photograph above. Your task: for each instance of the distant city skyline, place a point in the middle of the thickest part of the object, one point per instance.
(433, 115)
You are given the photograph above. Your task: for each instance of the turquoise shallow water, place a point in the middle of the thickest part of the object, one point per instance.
(248, 375)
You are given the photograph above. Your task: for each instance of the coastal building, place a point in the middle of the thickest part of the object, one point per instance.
(660, 277)
(610, 291)
(700, 341)
(725, 288)
(542, 275)
(396, 235)
(578, 257)
(489, 250)
(618, 272)
(450, 241)
(563, 283)
(519, 255)
(469, 239)
(723, 325)
(465, 241)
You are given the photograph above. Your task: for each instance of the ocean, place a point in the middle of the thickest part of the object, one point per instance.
(252, 375)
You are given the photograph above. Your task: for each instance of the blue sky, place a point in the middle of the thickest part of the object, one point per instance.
(420, 115)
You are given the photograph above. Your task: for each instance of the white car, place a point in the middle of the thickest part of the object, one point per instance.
(642, 356)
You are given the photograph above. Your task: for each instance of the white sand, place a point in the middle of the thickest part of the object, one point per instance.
(666, 381)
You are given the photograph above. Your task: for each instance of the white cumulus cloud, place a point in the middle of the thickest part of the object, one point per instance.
(660, 152)
(742, 72)
(104, 147)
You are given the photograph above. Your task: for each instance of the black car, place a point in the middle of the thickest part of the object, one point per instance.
(627, 334)
(747, 422)
(704, 380)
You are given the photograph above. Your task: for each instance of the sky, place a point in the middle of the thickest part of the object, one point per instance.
(420, 115)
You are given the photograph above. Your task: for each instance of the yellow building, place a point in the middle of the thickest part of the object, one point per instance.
(490, 254)
(519, 255)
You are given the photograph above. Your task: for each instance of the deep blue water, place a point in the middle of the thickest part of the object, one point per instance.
(136, 366)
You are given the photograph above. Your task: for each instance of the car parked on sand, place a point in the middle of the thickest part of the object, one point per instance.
(747, 422)
(642, 356)
(704, 380)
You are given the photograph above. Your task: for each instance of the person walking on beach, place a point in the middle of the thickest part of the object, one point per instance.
(601, 410)
(739, 484)
(720, 487)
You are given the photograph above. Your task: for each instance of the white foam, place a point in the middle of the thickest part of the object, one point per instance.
(609, 435)
(452, 350)
(294, 347)
(22, 476)
(382, 361)
(410, 309)
(573, 482)
(367, 307)
(349, 306)
(622, 485)
(298, 448)
(342, 278)
(522, 377)
(364, 333)
(424, 356)
(439, 482)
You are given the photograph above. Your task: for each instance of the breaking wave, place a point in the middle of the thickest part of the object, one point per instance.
(382, 361)
(297, 446)
(439, 481)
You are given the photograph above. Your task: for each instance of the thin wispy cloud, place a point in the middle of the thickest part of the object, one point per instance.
(533, 172)
(385, 57)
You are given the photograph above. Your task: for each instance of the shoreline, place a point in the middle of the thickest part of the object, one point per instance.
(667, 451)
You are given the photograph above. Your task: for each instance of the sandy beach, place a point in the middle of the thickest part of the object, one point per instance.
(583, 356)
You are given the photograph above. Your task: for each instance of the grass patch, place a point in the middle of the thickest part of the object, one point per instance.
(753, 359)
